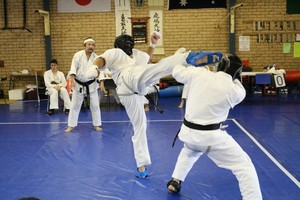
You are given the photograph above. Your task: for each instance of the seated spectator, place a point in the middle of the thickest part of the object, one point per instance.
(55, 82)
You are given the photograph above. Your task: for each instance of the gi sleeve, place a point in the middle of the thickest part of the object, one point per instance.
(239, 92)
(74, 64)
(184, 74)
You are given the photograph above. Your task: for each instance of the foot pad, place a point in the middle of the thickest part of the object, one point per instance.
(143, 174)
(193, 57)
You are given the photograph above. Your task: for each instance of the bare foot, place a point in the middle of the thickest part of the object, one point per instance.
(181, 104)
(141, 169)
(146, 107)
(98, 128)
(69, 129)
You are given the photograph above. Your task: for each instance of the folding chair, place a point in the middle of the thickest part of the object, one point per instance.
(1, 89)
(40, 85)
(60, 101)
(109, 85)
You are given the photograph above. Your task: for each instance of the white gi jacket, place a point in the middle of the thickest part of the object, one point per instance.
(210, 97)
(79, 66)
(59, 79)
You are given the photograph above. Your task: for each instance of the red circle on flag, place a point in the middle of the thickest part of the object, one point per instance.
(83, 2)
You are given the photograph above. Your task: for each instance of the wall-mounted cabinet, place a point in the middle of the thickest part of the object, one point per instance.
(139, 29)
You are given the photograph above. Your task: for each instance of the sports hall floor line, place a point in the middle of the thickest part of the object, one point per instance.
(268, 154)
(87, 122)
(175, 120)
(40, 160)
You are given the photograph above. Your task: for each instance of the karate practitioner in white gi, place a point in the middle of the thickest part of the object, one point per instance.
(132, 77)
(211, 95)
(183, 95)
(56, 83)
(83, 86)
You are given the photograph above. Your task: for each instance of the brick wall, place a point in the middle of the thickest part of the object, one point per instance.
(265, 53)
(194, 29)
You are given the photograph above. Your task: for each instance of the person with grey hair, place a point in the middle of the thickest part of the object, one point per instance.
(84, 87)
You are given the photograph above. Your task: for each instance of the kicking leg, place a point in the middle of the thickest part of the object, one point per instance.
(164, 67)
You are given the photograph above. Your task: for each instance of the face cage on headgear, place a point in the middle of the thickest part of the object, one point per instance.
(230, 67)
(126, 43)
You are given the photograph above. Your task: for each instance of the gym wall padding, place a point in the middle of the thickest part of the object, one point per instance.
(171, 91)
(292, 76)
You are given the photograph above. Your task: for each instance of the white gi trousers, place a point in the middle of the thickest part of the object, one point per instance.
(224, 151)
(63, 94)
(76, 103)
(137, 79)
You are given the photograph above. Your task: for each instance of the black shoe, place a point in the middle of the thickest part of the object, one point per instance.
(175, 184)
(50, 112)
(67, 111)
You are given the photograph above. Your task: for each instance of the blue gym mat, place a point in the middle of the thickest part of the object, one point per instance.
(37, 159)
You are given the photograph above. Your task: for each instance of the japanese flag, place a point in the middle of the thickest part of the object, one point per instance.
(83, 5)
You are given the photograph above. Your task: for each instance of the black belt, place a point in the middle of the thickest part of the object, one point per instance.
(200, 127)
(208, 127)
(86, 85)
(153, 102)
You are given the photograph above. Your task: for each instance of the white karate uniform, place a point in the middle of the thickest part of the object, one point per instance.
(80, 64)
(211, 95)
(135, 75)
(59, 78)
(185, 91)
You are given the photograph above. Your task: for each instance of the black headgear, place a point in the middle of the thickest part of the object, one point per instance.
(231, 65)
(124, 42)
